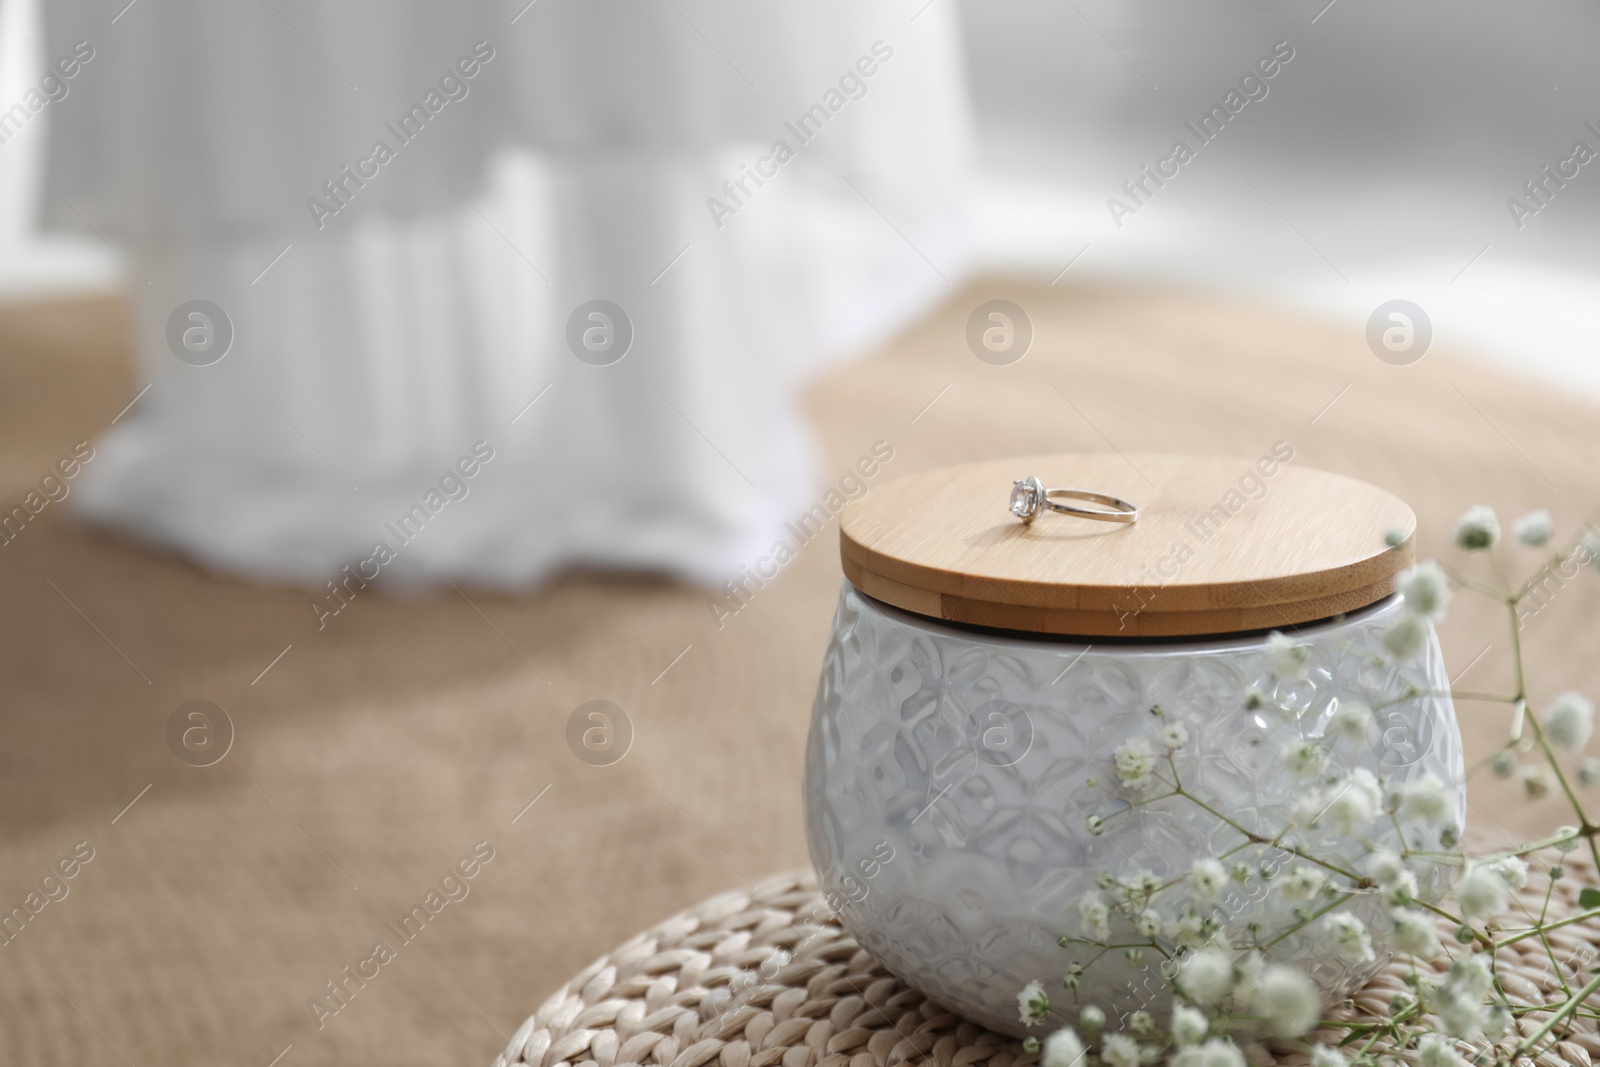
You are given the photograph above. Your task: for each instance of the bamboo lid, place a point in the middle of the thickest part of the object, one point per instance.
(1222, 545)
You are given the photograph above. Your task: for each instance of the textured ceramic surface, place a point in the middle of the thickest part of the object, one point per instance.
(948, 783)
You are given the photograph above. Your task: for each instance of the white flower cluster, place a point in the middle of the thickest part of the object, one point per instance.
(1535, 529)
(1478, 529)
(1287, 657)
(1349, 805)
(1425, 595)
(1569, 720)
(1135, 761)
(1284, 999)
(1567, 723)
(1460, 1003)
(1485, 890)
(1229, 992)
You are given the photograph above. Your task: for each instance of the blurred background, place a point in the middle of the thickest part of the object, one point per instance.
(379, 727)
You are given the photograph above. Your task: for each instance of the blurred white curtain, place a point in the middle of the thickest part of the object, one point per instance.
(375, 346)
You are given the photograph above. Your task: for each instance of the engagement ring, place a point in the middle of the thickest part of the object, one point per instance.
(1029, 499)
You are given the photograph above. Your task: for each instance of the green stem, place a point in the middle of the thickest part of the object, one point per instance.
(1472, 583)
(1544, 745)
(1487, 941)
(1393, 1026)
(1556, 560)
(1561, 1013)
(1257, 839)
(1550, 953)
(1459, 694)
(1531, 846)
(1307, 921)
(1523, 935)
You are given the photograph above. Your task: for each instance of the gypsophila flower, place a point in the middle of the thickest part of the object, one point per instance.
(1566, 839)
(1063, 1049)
(1095, 825)
(1481, 893)
(1091, 1018)
(1394, 537)
(1349, 722)
(1569, 720)
(1352, 806)
(1426, 590)
(1305, 758)
(1136, 763)
(1536, 780)
(1302, 883)
(1534, 529)
(1119, 1050)
(1206, 976)
(1207, 878)
(1589, 771)
(1400, 892)
(1513, 871)
(1385, 867)
(1095, 916)
(1033, 1004)
(1349, 936)
(1458, 1013)
(1174, 735)
(1189, 1027)
(1414, 934)
(1503, 765)
(1590, 547)
(1148, 923)
(1287, 657)
(1218, 1052)
(1406, 637)
(1286, 998)
(1323, 1056)
(1142, 1022)
(1427, 800)
(1187, 931)
(1308, 809)
(1435, 1050)
(1473, 975)
(1477, 529)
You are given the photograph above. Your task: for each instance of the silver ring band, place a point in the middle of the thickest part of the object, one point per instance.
(1030, 499)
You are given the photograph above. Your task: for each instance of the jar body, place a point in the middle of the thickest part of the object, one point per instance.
(950, 776)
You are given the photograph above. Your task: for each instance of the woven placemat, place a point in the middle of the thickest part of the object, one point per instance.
(767, 976)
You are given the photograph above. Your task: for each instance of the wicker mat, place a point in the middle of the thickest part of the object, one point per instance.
(704, 988)
(376, 753)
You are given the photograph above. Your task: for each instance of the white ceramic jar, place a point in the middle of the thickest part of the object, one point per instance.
(952, 772)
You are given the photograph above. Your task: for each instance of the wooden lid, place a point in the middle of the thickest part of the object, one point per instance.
(1222, 545)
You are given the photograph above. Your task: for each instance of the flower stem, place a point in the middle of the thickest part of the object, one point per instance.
(1257, 839)
(1308, 920)
(1585, 826)
(1561, 1013)
(1536, 931)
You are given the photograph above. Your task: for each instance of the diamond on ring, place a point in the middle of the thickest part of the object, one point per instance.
(1027, 498)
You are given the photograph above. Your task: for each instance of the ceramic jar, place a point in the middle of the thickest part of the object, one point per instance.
(953, 775)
